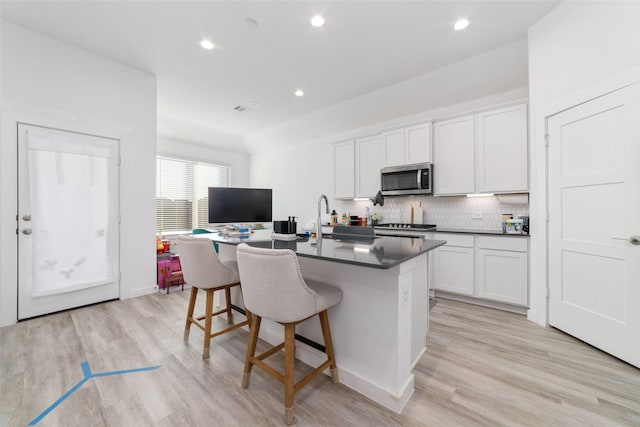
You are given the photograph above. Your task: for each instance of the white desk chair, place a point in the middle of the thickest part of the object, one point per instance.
(202, 269)
(273, 288)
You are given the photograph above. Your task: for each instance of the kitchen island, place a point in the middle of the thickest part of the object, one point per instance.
(380, 327)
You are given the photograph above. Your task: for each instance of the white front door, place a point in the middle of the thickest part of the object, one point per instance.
(594, 222)
(68, 232)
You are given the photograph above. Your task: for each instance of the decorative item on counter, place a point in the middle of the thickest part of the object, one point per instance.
(344, 220)
(375, 217)
(416, 214)
(334, 217)
(505, 218)
(514, 226)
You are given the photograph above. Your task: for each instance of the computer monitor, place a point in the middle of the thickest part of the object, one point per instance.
(239, 205)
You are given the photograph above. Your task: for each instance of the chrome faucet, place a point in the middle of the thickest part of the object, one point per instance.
(319, 223)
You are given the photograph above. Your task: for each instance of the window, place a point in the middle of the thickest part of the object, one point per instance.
(181, 192)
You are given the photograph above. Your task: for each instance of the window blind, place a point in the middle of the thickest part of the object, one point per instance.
(181, 192)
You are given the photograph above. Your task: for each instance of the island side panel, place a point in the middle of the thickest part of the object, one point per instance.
(378, 329)
(419, 308)
(372, 327)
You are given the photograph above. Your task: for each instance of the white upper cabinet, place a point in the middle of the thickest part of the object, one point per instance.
(482, 153)
(368, 165)
(501, 144)
(454, 161)
(418, 143)
(343, 158)
(393, 143)
(407, 145)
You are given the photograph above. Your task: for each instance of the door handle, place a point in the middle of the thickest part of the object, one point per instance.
(27, 217)
(26, 231)
(634, 240)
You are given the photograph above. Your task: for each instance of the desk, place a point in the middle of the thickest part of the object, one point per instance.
(379, 329)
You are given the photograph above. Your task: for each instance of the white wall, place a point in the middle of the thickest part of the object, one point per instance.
(239, 162)
(48, 82)
(576, 52)
(496, 71)
(299, 173)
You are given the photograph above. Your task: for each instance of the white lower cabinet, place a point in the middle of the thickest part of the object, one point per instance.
(493, 268)
(453, 271)
(502, 276)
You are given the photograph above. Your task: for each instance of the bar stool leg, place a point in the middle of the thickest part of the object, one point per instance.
(227, 297)
(208, 319)
(289, 360)
(328, 344)
(192, 305)
(254, 330)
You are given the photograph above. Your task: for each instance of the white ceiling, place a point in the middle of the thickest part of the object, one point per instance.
(364, 46)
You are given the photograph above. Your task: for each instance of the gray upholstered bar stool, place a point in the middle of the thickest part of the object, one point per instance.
(273, 288)
(202, 269)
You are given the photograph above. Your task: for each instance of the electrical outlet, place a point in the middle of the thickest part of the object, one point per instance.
(476, 215)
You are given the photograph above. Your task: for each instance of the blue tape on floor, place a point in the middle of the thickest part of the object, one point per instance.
(86, 371)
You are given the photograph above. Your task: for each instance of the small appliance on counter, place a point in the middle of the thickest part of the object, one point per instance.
(285, 230)
(285, 227)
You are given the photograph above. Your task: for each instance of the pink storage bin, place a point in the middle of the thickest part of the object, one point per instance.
(175, 263)
(164, 271)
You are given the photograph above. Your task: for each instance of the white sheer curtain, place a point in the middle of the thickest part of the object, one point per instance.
(72, 196)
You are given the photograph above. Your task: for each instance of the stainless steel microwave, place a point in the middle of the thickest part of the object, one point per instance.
(407, 179)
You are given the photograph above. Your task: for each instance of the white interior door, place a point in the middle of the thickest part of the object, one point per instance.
(594, 214)
(68, 232)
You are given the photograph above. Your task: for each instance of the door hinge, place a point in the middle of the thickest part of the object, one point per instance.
(546, 139)
(119, 276)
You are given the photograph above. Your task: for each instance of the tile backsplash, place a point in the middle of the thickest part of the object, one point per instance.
(483, 213)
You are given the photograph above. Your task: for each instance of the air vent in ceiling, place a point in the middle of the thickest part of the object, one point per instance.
(241, 108)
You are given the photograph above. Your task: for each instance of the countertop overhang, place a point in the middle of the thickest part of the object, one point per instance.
(381, 252)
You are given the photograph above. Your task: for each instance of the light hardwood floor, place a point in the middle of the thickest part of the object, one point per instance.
(482, 367)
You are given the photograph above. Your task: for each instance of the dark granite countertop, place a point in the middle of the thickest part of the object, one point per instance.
(379, 252)
(476, 231)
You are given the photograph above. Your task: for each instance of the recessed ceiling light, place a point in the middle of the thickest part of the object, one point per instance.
(299, 92)
(317, 21)
(461, 24)
(251, 24)
(206, 44)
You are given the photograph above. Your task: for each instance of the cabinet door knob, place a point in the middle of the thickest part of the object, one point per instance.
(634, 240)
(27, 217)
(26, 231)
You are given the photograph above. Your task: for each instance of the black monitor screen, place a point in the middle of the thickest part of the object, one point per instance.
(231, 205)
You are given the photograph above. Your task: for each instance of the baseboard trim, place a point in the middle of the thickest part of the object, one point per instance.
(483, 302)
(138, 292)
